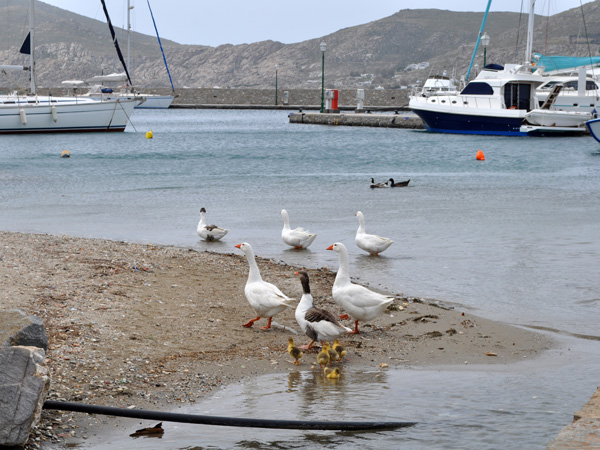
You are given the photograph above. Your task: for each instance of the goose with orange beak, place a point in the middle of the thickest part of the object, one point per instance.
(359, 302)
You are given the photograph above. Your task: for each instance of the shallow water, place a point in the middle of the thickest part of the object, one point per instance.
(512, 238)
(510, 407)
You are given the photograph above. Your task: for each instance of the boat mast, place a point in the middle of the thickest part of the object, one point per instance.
(529, 49)
(129, 8)
(31, 46)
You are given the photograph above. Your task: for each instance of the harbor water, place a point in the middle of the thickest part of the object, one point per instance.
(513, 238)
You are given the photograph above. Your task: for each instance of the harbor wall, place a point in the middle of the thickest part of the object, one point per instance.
(374, 98)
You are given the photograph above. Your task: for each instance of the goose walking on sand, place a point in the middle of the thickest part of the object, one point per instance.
(370, 243)
(317, 323)
(298, 237)
(359, 302)
(209, 232)
(265, 298)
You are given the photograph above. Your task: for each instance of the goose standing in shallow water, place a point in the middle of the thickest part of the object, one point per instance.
(358, 301)
(370, 243)
(209, 232)
(265, 298)
(298, 237)
(318, 324)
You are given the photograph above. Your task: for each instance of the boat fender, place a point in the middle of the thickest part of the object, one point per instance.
(149, 134)
(23, 116)
(65, 154)
(480, 156)
(54, 113)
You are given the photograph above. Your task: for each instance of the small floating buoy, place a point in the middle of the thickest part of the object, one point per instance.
(149, 134)
(65, 154)
(480, 156)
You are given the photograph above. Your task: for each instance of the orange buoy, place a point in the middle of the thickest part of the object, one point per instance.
(480, 156)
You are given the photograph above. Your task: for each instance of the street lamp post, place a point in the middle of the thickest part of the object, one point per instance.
(276, 67)
(323, 48)
(485, 41)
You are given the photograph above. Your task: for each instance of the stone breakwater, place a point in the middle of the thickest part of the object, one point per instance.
(360, 120)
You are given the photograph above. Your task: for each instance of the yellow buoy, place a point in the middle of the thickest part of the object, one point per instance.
(65, 154)
(480, 156)
(149, 134)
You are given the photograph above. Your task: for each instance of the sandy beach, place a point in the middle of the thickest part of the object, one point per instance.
(155, 327)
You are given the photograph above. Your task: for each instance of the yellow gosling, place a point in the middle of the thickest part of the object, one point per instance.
(323, 357)
(342, 352)
(332, 373)
(294, 351)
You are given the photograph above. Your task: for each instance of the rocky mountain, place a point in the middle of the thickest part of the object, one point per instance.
(70, 46)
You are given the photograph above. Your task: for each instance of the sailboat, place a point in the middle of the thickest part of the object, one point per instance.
(145, 101)
(32, 113)
(501, 100)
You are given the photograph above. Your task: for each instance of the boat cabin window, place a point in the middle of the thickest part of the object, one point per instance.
(590, 85)
(477, 88)
(549, 85)
(517, 96)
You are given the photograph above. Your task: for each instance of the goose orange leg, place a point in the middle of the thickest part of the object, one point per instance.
(355, 328)
(344, 316)
(250, 323)
(307, 347)
(268, 325)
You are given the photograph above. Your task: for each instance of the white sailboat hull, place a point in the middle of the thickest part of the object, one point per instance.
(155, 102)
(142, 101)
(61, 115)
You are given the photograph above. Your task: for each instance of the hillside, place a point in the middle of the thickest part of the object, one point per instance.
(70, 46)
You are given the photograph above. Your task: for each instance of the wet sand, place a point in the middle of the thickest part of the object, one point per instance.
(156, 327)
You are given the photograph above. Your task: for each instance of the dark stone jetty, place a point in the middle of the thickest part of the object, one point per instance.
(394, 120)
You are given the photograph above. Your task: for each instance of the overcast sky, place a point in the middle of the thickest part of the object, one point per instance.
(204, 22)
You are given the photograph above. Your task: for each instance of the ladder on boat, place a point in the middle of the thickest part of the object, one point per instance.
(552, 96)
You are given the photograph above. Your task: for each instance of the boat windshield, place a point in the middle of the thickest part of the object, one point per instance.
(477, 88)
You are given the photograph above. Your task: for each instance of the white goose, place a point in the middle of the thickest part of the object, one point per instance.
(317, 323)
(209, 232)
(298, 237)
(265, 298)
(370, 243)
(360, 303)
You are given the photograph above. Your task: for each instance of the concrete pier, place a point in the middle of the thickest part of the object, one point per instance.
(399, 120)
